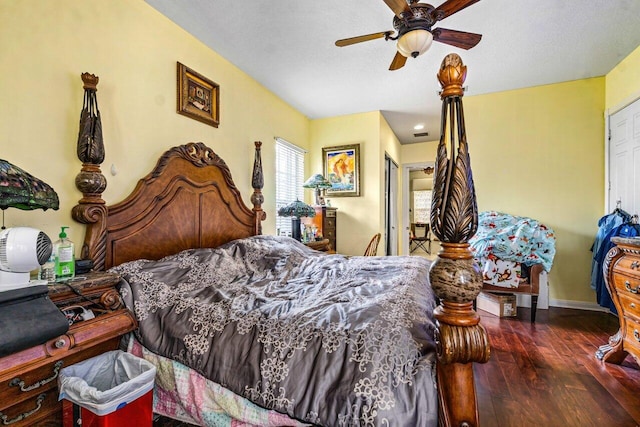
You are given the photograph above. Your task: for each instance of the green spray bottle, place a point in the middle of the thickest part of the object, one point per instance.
(65, 257)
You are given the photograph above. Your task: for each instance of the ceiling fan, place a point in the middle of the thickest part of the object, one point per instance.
(413, 22)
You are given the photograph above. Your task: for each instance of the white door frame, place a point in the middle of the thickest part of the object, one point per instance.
(391, 205)
(404, 235)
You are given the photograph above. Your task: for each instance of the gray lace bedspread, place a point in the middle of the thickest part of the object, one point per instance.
(327, 339)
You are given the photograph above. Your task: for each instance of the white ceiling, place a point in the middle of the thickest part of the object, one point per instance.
(288, 46)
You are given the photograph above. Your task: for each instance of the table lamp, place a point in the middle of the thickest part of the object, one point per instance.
(296, 210)
(20, 189)
(319, 183)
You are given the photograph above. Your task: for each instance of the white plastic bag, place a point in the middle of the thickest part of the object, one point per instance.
(106, 382)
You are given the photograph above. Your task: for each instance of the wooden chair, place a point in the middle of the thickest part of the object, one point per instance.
(372, 247)
(419, 236)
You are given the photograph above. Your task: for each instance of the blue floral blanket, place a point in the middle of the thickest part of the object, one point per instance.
(513, 238)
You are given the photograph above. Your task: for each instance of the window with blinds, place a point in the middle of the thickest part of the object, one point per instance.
(289, 180)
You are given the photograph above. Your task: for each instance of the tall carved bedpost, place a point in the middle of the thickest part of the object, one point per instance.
(90, 181)
(454, 276)
(257, 182)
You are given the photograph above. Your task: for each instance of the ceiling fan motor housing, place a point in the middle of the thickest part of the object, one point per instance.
(420, 18)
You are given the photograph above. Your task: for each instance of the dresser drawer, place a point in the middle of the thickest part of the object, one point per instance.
(628, 265)
(330, 233)
(330, 223)
(626, 285)
(632, 337)
(42, 409)
(630, 306)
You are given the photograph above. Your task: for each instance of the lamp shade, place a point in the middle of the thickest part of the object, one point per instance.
(20, 189)
(414, 43)
(317, 181)
(297, 209)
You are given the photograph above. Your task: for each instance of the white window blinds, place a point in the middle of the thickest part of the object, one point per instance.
(289, 180)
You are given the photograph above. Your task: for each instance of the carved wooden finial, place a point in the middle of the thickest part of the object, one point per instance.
(257, 182)
(90, 81)
(90, 180)
(452, 75)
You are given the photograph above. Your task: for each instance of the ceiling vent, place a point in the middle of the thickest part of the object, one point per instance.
(421, 134)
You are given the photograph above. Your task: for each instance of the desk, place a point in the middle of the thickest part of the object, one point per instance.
(320, 245)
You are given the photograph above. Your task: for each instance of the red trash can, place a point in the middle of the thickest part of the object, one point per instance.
(113, 389)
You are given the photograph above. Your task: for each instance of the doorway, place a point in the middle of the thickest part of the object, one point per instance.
(409, 170)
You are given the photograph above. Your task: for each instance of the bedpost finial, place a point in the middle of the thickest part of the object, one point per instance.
(452, 75)
(90, 81)
(257, 182)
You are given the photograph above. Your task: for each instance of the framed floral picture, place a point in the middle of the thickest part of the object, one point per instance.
(198, 97)
(341, 165)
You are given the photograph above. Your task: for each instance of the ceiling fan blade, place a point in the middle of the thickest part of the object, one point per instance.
(450, 7)
(398, 6)
(455, 38)
(365, 38)
(398, 62)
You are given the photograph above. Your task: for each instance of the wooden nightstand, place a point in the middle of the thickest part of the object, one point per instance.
(325, 222)
(28, 379)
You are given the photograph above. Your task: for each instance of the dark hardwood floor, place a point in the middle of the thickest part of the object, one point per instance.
(546, 375)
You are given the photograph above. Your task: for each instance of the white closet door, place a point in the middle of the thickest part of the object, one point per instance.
(624, 159)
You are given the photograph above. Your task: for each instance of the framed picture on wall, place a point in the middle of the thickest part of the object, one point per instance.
(198, 97)
(341, 165)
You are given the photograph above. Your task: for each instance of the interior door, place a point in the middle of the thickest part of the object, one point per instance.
(391, 206)
(624, 159)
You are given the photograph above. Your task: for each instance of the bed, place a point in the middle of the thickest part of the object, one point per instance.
(261, 330)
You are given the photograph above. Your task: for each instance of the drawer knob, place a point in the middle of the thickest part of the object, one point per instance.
(628, 287)
(636, 335)
(635, 264)
(633, 305)
(60, 343)
(17, 382)
(6, 421)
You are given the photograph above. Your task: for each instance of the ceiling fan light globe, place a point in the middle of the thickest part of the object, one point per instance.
(414, 43)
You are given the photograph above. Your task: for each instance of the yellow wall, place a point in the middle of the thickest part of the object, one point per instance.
(419, 152)
(390, 146)
(623, 82)
(358, 217)
(538, 152)
(46, 45)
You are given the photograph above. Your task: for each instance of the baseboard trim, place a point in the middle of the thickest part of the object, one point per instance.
(578, 305)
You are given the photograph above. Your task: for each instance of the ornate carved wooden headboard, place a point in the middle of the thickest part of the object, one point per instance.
(189, 200)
